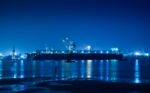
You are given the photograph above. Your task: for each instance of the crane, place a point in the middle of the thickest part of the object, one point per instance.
(69, 44)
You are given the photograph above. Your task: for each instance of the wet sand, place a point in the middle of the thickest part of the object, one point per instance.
(45, 85)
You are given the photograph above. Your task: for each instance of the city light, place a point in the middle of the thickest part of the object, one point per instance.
(89, 68)
(63, 52)
(82, 51)
(137, 72)
(88, 47)
(107, 52)
(141, 54)
(137, 53)
(146, 54)
(23, 56)
(114, 49)
(1, 54)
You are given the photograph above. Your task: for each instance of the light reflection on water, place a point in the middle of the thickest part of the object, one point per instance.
(137, 72)
(84, 69)
(22, 69)
(114, 70)
(14, 69)
(89, 69)
(33, 68)
(101, 70)
(1, 70)
(107, 71)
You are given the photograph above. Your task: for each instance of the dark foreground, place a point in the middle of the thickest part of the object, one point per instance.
(44, 85)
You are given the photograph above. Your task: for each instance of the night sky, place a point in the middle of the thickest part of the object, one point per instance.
(32, 24)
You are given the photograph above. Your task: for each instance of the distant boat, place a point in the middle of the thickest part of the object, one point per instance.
(72, 54)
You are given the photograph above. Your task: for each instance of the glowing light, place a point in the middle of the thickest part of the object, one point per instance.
(82, 70)
(1, 70)
(63, 52)
(88, 47)
(146, 54)
(21, 76)
(74, 51)
(22, 69)
(141, 54)
(114, 70)
(137, 54)
(101, 70)
(107, 52)
(107, 71)
(22, 56)
(137, 72)
(67, 38)
(114, 60)
(1, 54)
(82, 52)
(89, 68)
(114, 49)
(34, 52)
(15, 53)
(15, 70)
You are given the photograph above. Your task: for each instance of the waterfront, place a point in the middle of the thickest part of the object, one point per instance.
(131, 71)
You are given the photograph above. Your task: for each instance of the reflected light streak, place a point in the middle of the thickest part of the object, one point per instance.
(15, 70)
(88, 47)
(137, 72)
(74, 70)
(1, 54)
(114, 74)
(66, 70)
(82, 69)
(107, 70)
(89, 68)
(22, 69)
(101, 70)
(1, 70)
(33, 68)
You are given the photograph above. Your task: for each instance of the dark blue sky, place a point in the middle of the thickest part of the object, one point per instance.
(30, 24)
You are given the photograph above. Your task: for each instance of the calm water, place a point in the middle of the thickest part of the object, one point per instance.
(132, 70)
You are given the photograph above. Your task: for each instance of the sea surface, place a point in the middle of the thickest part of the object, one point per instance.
(26, 73)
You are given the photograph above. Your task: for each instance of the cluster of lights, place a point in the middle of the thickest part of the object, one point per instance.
(137, 54)
(146, 54)
(114, 49)
(141, 54)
